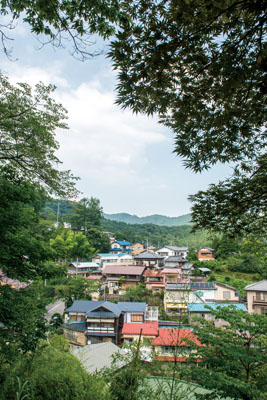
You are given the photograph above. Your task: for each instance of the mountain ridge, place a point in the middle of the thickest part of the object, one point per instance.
(156, 219)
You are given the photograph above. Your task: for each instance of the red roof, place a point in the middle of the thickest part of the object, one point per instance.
(170, 358)
(92, 277)
(175, 337)
(134, 328)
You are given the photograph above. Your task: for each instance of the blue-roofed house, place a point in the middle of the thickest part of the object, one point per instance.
(91, 322)
(132, 311)
(121, 246)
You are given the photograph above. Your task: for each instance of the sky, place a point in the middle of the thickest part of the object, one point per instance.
(126, 161)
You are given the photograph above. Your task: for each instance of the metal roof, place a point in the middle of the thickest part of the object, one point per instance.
(203, 307)
(94, 357)
(148, 255)
(131, 306)
(75, 326)
(175, 259)
(123, 270)
(261, 285)
(202, 285)
(187, 266)
(84, 264)
(107, 305)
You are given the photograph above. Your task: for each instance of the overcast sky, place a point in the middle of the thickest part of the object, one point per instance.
(124, 160)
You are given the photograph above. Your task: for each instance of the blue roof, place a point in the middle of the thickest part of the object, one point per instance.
(119, 249)
(131, 306)
(97, 309)
(123, 242)
(202, 307)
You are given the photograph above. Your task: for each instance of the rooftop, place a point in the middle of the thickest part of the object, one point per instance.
(123, 270)
(134, 328)
(131, 306)
(261, 285)
(148, 255)
(175, 337)
(203, 307)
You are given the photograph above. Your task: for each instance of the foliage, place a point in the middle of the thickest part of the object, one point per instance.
(68, 245)
(28, 123)
(55, 322)
(23, 253)
(22, 315)
(98, 239)
(138, 293)
(202, 68)
(233, 356)
(76, 288)
(52, 373)
(87, 214)
(69, 20)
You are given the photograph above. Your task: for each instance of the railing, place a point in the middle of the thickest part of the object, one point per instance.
(261, 300)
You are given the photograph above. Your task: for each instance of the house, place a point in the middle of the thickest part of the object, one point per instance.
(257, 297)
(90, 322)
(174, 344)
(149, 259)
(204, 309)
(95, 357)
(120, 246)
(225, 292)
(154, 280)
(172, 275)
(169, 251)
(137, 248)
(176, 296)
(205, 271)
(206, 254)
(13, 283)
(83, 268)
(174, 261)
(146, 330)
(109, 258)
(187, 269)
(122, 277)
(132, 311)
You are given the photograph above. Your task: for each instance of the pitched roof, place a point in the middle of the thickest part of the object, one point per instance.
(148, 255)
(175, 259)
(92, 277)
(225, 285)
(110, 308)
(94, 357)
(85, 306)
(175, 337)
(187, 266)
(134, 328)
(131, 306)
(84, 264)
(123, 270)
(75, 326)
(171, 271)
(261, 285)
(153, 272)
(203, 307)
(123, 242)
(175, 248)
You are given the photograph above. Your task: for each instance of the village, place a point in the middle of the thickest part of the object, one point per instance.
(185, 291)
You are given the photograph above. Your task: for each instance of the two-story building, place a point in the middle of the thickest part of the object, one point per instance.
(149, 260)
(104, 259)
(137, 248)
(93, 322)
(83, 268)
(154, 280)
(121, 277)
(206, 254)
(120, 246)
(170, 251)
(257, 297)
(174, 261)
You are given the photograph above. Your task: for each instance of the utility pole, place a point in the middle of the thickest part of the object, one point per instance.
(58, 206)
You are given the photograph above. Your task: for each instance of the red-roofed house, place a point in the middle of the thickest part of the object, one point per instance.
(174, 344)
(131, 331)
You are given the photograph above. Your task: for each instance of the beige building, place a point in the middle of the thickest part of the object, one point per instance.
(225, 292)
(257, 297)
(137, 248)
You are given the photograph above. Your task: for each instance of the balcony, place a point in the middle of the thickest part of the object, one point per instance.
(260, 300)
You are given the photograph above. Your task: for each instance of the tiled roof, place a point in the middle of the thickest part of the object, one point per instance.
(123, 242)
(171, 271)
(85, 306)
(175, 259)
(131, 306)
(187, 266)
(261, 285)
(148, 255)
(203, 307)
(107, 305)
(175, 337)
(153, 272)
(148, 328)
(123, 270)
(175, 248)
(92, 277)
(84, 264)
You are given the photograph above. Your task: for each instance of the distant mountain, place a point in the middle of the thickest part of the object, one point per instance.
(151, 219)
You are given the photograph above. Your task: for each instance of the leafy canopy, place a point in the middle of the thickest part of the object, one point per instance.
(201, 66)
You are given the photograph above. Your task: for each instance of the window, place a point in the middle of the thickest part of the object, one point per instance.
(227, 294)
(259, 295)
(136, 318)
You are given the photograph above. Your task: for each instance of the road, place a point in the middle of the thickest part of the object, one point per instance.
(57, 307)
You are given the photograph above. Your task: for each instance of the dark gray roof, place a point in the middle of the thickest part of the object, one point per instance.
(107, 305)
(148, 255)
(76, 326)
(100, 334)
(202, 285)
(178, 286)
(131, 306)
(82, 306)
(175, 259)
(190, 286)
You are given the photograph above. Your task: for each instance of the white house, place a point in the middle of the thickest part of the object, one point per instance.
(169, 251)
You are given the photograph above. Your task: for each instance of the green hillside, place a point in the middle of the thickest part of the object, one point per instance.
(156, 219)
